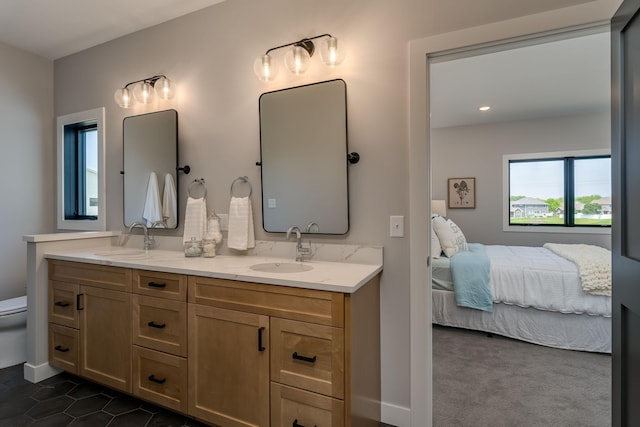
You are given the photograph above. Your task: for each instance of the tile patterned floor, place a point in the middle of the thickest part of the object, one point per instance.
(66, 400)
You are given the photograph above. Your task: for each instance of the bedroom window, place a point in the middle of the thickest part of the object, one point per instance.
(559, 190)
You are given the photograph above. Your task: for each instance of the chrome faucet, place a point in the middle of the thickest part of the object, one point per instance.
(301, 251)
(148, 240)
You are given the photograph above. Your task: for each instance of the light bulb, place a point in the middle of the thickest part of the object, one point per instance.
(124, 97)
(143, 92)
(164, 88)
(330, 53)
(297, 60)
(265, 68)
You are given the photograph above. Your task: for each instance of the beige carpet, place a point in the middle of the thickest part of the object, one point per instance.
(496, 381)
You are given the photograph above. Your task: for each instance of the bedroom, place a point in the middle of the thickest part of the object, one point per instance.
(473, 143)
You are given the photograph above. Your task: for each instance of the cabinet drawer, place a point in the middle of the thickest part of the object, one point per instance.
(160, 324)
(291, 406)
(160, 378)
(322, 307)
(64, 348)
(100, 276)
(308, 356)
(158, 284)
(62, 304)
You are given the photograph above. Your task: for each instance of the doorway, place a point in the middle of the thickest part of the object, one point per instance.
(557, 21)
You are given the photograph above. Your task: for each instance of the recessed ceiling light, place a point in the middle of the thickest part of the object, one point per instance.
(484, 108)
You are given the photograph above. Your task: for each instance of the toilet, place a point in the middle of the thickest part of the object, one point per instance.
(13, 331)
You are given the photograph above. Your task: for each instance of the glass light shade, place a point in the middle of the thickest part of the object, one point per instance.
(330, 53)
(265, 68)
(297, 60)
(143, 92)
(124, 97)
(165, 89)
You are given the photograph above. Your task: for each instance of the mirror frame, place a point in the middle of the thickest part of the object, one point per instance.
(174, 167)
(342, 226)
(96, 115)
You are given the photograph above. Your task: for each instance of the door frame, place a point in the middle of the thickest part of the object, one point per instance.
(598, 12)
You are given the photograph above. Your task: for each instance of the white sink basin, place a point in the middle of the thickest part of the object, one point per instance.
(120, 252)
(281, 267)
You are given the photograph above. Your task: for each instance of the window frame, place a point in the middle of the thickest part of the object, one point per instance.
(63, 124)
(574, 229)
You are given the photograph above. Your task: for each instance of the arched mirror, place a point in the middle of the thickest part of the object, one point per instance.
(150, 150)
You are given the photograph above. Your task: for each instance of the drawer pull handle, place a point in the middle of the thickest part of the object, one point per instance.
(61, 304)
(155, 325)
(156, 285)
(78, 300)
(157, 380)
(295, 424)
(260, 346)
(296, 356)
(61, 349)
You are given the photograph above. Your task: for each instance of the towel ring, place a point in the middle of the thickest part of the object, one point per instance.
(241, 179)
(194, 183)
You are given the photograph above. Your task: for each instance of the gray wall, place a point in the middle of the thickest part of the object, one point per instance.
(26, 162)
(210, 55)
(476, 151)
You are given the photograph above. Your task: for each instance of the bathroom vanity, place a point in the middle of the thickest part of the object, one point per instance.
(232, 341)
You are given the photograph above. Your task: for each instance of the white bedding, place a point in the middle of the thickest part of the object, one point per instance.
(536, 277)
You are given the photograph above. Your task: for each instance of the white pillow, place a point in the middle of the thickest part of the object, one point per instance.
(436, 249)
(451, 238)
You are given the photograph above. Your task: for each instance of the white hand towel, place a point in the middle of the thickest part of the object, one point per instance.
(241, 233)
(152, 210)
(169, 202)
(195, 219)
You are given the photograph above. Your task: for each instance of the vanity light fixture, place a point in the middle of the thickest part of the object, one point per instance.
(297, 59)
(143, 91)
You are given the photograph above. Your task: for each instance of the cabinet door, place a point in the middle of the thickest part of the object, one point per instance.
(228, 366)
(105, 336)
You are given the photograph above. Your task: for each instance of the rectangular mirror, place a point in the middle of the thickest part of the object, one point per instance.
(150, 160)
(303, 150)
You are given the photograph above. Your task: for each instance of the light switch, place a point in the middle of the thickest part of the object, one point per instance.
(396, 223)
(271, 203)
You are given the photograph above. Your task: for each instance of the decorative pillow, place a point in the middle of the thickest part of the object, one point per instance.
(436, 249)
(451, 238)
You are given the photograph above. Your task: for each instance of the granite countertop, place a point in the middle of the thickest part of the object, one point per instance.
(342, 277)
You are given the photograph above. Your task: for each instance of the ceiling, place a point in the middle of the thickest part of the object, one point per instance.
(57, 28)
(561, 77)
(554, 78)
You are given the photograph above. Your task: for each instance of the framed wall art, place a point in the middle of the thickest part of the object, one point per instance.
(462, 193)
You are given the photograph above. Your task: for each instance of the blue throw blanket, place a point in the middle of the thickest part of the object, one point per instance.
(470, 273)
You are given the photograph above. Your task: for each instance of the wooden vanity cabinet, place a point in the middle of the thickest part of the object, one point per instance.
(231, 353)
(312, 356)
(90, 321)
(160, 338)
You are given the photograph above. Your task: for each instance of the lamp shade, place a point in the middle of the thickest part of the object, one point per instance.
(297, 59)
(143, 92)
(265, 67)
(124, 97)
(439, 207)
(330, 53)
(164, 88)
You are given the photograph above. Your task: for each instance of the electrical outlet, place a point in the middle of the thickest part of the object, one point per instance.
(396, 226)
(224, 222)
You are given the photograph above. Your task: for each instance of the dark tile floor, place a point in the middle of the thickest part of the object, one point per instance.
(66, 400)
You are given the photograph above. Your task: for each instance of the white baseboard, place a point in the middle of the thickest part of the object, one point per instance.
(395, 415)
(35, 374)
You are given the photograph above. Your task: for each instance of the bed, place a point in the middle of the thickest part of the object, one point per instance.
(535, 295)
